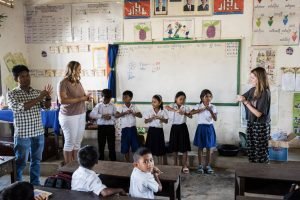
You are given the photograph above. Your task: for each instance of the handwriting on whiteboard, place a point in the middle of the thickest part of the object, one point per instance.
(142, 66)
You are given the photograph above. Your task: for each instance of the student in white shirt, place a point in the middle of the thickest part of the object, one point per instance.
(144, 180)
(105, 113)
(155, 117)
(179, 137)
(85, 179)
(127, 114)
(205, 136)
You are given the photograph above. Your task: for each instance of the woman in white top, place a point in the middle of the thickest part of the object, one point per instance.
(179, 136)
(155, 117)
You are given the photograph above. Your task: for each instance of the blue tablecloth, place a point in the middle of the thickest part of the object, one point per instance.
(49, 118)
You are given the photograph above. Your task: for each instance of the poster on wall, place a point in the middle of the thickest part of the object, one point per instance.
(48, 23)
(160, 7)
(190, 7)
(211, 29)
(136, 9)
(296, 113)
(225, 7)
(264, 57)
(97, 22)
(142, 32)
(276, 22)
(179, 29)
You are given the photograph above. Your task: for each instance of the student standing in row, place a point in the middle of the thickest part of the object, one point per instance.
(257, 102)
(205, 136)
(105, 113)
(179, 137)
(127, 114)
(155, 117)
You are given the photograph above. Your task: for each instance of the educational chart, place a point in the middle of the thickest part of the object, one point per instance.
(276, 22)
(48, 24)
(296, 113)
(97, 22)
(179, 29)
(189, 66)
(225, 7)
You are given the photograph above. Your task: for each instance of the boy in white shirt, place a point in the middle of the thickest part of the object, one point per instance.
(105, 113)
(144, 179)
(127, 114)
(85, 179)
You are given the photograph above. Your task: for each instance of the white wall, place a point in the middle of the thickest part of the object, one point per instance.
(233, 26)
(12, 35)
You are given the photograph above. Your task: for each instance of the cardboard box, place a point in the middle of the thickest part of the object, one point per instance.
(278, 150)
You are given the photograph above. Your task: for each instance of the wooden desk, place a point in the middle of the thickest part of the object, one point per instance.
(8, 166)
(120, 172)
(252, 198)
(274, 179)
(63, 194)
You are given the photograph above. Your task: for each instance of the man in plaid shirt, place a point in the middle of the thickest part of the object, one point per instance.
(26, 104)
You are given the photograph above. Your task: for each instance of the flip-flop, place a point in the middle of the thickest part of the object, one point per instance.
(185, 170)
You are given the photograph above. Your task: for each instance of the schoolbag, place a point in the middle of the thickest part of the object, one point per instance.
(294, 193)
(60, 180)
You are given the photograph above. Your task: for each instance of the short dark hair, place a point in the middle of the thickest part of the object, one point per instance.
(18, 191)
(178, 94)
(88, 156)
(128, 93)
(16, 70)
(204, 93)
(107, 93)
(140, 152)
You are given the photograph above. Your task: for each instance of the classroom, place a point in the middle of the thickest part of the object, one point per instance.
(144, 99)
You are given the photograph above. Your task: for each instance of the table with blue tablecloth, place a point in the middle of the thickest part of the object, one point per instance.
(49, 118)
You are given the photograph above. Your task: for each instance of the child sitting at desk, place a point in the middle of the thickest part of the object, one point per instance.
(20, 191)
(85, 179)
(144, 179)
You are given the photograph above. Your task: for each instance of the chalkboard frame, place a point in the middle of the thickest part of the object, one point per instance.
(239, 41)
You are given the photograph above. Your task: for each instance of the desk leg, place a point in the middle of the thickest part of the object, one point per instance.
(178, 190)
(242, 186)
(172, 191)
(13, 174)
(236, 188)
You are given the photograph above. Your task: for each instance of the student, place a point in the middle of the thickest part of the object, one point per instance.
(105, 113)
(189, 6)
(257, 102)
(85, 179)
(144, 180)
(204, 6)
(179, 137)
(205, 136)
(26, 104)
(155, 117)
(20, 191)
(127, 114)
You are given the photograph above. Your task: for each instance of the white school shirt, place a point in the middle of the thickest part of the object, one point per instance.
(142, 184)
(101, 109)
(156, 122)
(128, 120)
(205, 117)
(86, 180)
(175, 117)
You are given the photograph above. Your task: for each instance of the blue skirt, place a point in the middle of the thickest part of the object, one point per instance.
(205, 136)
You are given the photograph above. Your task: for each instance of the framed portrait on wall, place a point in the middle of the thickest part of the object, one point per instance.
(188, 6)
(204, 7)
(160, 7)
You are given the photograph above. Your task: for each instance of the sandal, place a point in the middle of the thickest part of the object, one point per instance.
(209, 170)
(185, 170)
(200, 170)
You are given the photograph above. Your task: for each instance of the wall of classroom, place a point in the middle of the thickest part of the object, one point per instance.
(232, 26)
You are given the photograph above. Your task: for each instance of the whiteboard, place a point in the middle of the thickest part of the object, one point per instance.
(190, 66)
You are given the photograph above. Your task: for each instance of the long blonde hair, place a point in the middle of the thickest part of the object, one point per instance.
(71, 71)
(262, 81)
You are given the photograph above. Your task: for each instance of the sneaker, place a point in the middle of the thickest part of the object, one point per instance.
(200, 170)
(209, 170)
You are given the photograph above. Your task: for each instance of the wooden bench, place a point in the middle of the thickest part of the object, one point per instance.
(63, 194)
(273, 179)
(117, 174)
(252, 198)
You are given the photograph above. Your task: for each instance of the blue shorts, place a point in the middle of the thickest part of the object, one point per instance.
(129, 139)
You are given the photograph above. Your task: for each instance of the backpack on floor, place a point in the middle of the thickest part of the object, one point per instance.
(60, 180)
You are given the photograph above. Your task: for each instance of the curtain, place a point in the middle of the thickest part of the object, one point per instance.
(112, 56)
